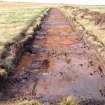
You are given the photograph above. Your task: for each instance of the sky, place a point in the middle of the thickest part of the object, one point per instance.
(90, 2)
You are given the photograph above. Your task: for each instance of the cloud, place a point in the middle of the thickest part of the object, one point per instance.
(91, 2)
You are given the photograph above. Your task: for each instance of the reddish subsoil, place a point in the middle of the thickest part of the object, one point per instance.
(61, 64)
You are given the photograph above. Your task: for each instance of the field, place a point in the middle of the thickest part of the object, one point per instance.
(52, 54)
(16, 18)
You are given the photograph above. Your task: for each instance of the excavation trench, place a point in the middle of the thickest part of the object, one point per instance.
(61, 64)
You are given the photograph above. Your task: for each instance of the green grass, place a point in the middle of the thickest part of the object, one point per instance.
(97, 31)
(12, 21)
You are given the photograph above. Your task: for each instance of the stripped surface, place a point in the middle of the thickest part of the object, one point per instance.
(61, 64)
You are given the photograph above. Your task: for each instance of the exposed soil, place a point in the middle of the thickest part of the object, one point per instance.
(61, 64)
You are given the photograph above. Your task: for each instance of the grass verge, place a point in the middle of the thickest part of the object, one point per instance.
(14, 44)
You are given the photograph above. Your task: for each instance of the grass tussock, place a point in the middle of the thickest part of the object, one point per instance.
(64, 101)
(68, 101)
(3, 72)
(28, 103)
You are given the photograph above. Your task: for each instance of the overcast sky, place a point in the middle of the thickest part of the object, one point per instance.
(92, 2)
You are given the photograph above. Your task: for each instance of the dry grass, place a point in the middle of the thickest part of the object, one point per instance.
(68, 101)
(14, 19)
(65, 101)
(98, 8)
(24, 102)
(97, 32)
(23, 5)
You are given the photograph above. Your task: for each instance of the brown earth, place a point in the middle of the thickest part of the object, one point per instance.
(61, 64)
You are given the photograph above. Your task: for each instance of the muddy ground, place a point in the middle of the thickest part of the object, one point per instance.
(60, 64)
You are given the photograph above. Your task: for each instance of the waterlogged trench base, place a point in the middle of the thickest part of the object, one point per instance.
(61, 64)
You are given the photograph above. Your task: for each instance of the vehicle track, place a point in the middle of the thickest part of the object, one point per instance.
(61, 64)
